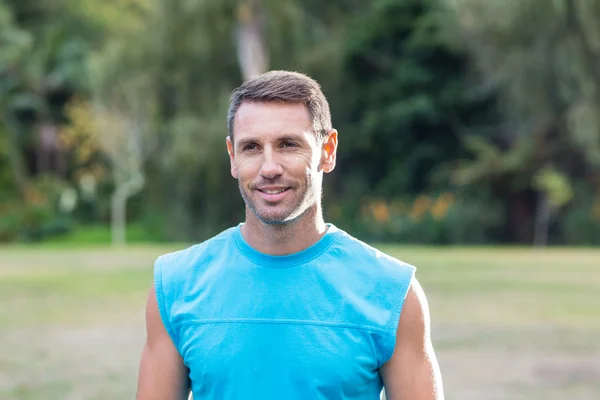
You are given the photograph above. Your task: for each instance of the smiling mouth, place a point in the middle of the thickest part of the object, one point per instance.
(275, 191)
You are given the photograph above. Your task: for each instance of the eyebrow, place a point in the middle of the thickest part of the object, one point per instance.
(292, 137)
(287, 136)
(245, 141)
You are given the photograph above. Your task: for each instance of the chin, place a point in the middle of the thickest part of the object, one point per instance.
(273, 219)
(280, 218)
(274, 222)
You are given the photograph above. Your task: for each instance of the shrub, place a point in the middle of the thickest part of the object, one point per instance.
(37, 216)
(438, 219)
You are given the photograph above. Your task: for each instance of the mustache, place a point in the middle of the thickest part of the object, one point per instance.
(271, 182)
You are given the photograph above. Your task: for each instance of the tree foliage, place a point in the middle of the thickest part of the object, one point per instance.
(410, 98)
(460, 120)
(543, 60)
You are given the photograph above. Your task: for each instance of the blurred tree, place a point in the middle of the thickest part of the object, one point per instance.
(123, 139)
(42, 68)
(195, 53)
(148, 81)
(120, 113)
(14, 45)
(544, 60)
(408, 95)
(250, 37)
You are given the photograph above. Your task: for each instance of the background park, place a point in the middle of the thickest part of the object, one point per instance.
(469, 146)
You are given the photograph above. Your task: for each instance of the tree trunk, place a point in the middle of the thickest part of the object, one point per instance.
(591, 59)
(252, 52)
(542, 221)
(119, 208)
(15, 157)
(47, 149)
(520, 211)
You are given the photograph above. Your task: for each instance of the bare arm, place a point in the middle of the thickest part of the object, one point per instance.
(162, 375)
(413, 372)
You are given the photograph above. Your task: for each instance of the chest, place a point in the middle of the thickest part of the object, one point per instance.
(290, 356)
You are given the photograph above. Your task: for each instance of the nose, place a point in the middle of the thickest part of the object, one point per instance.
(270, 168)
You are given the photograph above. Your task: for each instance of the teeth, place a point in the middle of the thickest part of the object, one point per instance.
(273, 191)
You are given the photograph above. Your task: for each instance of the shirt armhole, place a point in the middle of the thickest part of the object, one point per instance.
(158, 288)
(407, 277)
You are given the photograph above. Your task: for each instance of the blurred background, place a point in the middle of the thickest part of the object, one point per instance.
(469, 146)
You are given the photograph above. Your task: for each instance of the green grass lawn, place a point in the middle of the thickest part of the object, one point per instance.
(507, 323)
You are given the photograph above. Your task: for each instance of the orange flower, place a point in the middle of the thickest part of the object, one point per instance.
(441, 206)
(381, 212)
(420, 207)
(448, 197)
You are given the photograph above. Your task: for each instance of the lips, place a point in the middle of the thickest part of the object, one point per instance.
(273, 191)
(273, 194)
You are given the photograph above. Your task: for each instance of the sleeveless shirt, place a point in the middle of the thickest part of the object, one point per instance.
(317, 324)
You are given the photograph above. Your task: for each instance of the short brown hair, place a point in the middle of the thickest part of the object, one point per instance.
(283, 87)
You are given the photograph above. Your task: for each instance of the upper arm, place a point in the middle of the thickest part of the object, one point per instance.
(413, 372)
(162, 373)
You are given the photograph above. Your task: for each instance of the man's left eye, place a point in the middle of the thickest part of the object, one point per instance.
(289, 144)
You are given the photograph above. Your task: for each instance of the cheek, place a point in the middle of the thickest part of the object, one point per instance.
(299, 162)
(247, 168)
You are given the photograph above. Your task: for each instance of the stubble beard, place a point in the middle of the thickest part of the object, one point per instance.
(284, 218)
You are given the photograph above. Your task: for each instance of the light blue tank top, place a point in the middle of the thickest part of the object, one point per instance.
(317, 324)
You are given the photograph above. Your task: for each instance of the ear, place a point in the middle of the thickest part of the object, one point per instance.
(231, 152)
(329, 151)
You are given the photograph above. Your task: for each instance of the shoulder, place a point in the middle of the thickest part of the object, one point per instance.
(413, 334)
(196, 254)
(178, 267)
(375, 275)
(174, 272)
(415, 315)
(372, 259)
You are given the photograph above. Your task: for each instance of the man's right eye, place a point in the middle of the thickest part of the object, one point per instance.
(249, 147)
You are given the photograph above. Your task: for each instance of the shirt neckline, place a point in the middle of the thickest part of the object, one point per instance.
(289, 260)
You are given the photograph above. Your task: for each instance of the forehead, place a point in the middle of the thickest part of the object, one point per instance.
(267, 119)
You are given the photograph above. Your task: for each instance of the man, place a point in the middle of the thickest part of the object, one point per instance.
(284, 305)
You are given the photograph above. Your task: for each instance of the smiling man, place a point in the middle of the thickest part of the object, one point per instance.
(285, 305)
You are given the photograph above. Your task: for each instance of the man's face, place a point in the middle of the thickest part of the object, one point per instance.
(278, 161)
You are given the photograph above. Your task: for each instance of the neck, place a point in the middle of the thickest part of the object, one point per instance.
(287, 238)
